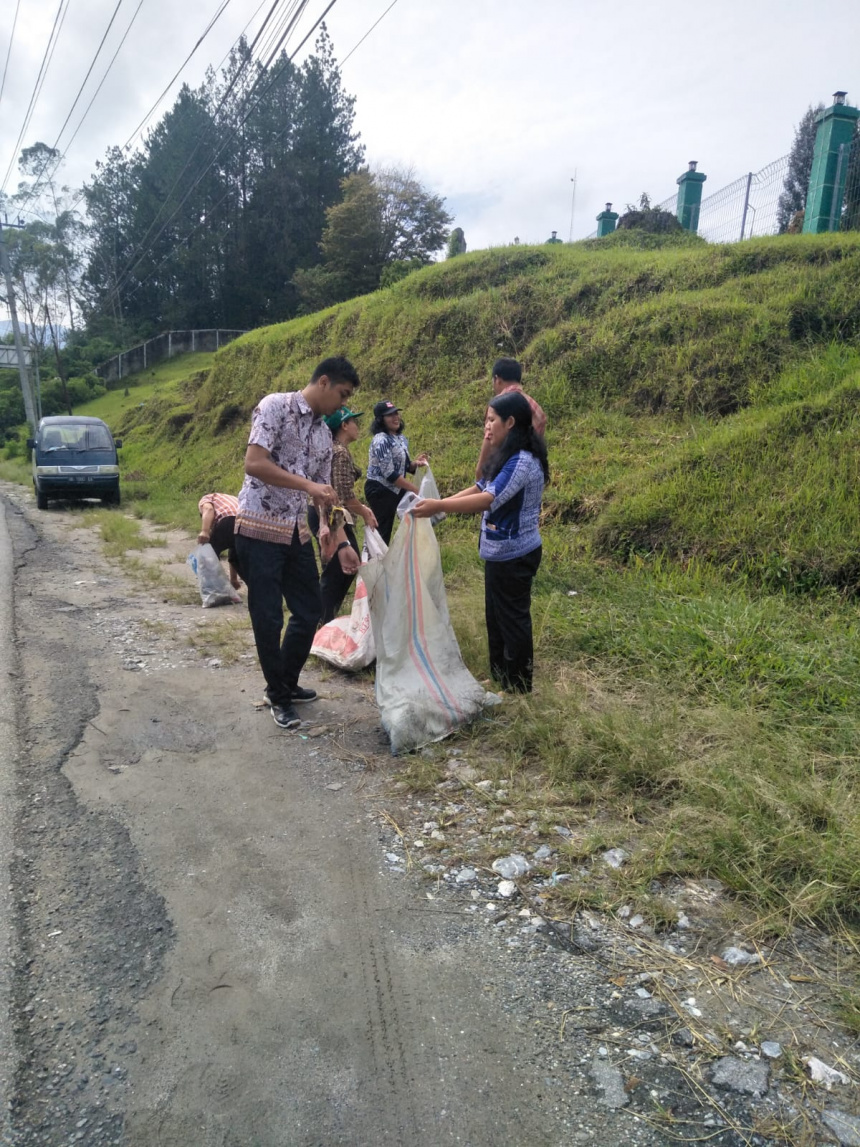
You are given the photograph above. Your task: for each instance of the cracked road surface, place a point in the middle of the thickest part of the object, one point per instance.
(207, 947)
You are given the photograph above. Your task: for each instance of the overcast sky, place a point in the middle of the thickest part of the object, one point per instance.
(496, 103)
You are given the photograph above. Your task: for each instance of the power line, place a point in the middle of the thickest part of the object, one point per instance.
(37, 87)
(9, 51)
(122, 278)
(89, 71)
(367, 33)
(181, 68)
(135, 262)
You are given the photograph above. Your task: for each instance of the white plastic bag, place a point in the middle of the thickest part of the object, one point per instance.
(214, 585)
(423, 689)
(427, 488)
(347, 642)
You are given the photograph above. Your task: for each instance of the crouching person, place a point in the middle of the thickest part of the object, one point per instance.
(288, 462)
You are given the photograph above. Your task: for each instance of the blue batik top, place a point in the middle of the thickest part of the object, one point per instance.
(509, 529)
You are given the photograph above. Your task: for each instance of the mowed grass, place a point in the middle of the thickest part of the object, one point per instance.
(697, 692)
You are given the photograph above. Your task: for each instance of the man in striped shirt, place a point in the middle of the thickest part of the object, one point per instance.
(288, 461)
(508, 376)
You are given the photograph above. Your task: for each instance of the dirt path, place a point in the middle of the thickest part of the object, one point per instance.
(212, 947)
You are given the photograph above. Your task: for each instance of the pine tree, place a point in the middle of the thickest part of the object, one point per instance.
(796, 185)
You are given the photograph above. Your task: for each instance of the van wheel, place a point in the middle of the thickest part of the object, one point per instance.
(41, 500)
(111, 499)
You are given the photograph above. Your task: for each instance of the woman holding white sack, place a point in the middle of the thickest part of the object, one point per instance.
(508, 497)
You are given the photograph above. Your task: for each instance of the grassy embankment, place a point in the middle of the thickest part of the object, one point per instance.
(698, 698)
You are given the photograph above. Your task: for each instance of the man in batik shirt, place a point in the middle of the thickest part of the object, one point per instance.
(287, 463)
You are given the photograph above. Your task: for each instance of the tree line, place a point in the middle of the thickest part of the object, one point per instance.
(248, 203)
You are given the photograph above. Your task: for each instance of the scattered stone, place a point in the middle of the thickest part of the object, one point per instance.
(737, 957)
(624, 911)
(484, 785)
(749, 1076)
(561, 830)
(643, 993)
(335, 786)
(845, 1127)
(437, 835)
(319, 731)
(214, 662)
(690, 1006)
(465, 875)
(636, 921)
(511, 866)
(610, 1080)
(683, 921)
(820, 1072)
(771, 1049)
(507, 889)
(683, 1037)
(614, 857)
(542, 853)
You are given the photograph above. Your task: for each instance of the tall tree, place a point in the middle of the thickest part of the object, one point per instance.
(796, 185)
(385, 217)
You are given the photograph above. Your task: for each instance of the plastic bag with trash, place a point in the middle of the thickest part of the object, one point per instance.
(423, 689)
(212, 580)
(427, 488)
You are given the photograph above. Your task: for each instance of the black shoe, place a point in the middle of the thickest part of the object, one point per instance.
(286, 717)
(298, 696)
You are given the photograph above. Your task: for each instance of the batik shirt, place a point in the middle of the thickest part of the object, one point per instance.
(509, 528)
(300, 443)
(389, 460)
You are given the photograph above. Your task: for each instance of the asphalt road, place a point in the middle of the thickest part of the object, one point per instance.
(209, 945)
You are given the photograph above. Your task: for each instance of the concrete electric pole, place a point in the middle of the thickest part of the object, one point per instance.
(29, 409)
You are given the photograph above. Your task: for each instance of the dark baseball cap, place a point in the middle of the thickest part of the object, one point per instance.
(385, 407)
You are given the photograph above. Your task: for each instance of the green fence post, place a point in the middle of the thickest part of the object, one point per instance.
(606, 221)
(829, 166)
(690, 197)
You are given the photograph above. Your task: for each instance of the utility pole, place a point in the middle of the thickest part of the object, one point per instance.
(29, 411)
(572, 201)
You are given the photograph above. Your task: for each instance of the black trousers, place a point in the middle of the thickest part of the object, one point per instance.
(384, 504)
(224, 538)
(334, 583)
(507, 607)
(274, 571)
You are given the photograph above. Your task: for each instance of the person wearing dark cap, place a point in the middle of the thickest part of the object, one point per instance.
(388, 465)
(335, 581)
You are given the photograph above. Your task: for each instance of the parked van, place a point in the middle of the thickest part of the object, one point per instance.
(74, 458)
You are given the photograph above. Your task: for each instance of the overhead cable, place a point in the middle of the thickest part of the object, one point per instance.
(9, 49)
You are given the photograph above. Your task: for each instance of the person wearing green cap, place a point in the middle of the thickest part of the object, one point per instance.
(334, 583)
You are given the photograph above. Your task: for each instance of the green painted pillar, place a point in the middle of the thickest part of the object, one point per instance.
(606, 221)
(829, 166)
(690, 197)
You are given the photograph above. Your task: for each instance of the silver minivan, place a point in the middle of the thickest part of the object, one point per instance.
(74, 457)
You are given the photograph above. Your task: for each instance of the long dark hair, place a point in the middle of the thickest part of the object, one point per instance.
(378, 425)
(521, 436)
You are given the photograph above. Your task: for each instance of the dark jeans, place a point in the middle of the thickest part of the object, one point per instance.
(334, 583)
(274, 571)
(224, 538)
(384, 504)
(507, 604)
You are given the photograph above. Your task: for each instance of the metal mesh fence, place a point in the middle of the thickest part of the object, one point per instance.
(850, 216)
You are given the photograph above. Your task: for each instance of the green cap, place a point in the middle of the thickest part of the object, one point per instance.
(336, 420)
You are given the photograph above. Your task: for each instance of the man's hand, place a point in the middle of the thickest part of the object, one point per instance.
(321, 492)
(369, 518)
(349, 560)
(203, 538)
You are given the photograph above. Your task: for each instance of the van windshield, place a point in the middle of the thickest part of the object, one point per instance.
(76, 439)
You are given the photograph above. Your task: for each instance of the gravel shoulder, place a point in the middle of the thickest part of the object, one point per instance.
(222, 935)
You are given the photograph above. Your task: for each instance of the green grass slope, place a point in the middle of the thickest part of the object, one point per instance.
(703, 440)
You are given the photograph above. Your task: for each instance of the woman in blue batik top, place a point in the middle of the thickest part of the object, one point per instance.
(509, 498)
(388, 465)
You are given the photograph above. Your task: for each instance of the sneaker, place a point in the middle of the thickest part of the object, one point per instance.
(286, 717)
(298, 696)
